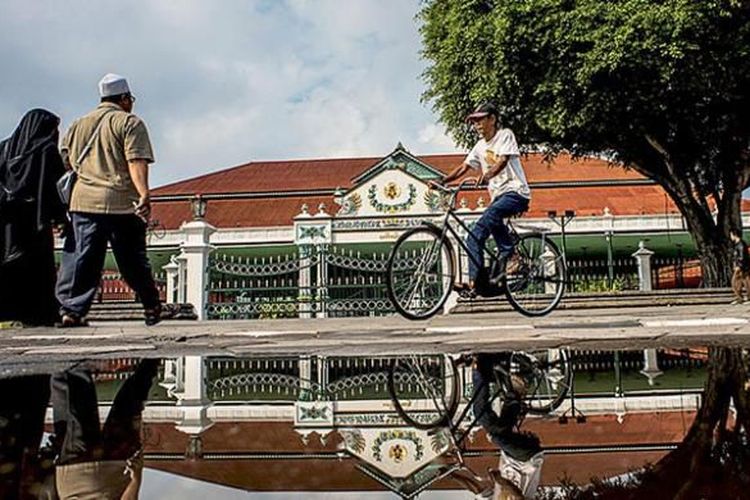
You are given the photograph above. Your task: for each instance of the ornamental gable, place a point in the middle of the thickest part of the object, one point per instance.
(397, 185)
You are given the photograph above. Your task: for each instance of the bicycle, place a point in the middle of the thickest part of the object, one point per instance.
(426, 391)
(421, 268)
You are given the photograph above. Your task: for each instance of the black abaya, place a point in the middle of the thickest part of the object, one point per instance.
(30, 166)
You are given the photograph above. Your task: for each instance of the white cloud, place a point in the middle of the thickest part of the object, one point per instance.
(222, 83)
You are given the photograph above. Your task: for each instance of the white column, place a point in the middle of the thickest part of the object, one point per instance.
(305, 376)
(304, 293)
(193, 401)
(195, 251)
(643, 256)
(549, 267)
(650, 365)
(172, 270)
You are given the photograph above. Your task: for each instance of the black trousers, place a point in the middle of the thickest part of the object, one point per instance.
(83, 259)
(78, 434)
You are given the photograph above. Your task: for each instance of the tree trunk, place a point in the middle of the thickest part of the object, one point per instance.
(711, 240)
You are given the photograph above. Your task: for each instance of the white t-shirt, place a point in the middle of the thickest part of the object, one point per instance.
(510, 179)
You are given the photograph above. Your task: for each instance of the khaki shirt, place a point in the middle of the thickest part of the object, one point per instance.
(103, 480)
(104, 185)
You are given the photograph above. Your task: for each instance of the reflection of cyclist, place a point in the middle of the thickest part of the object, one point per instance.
(496, 154)
(521, 454)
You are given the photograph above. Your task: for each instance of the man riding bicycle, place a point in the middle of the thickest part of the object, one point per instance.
(496, 154)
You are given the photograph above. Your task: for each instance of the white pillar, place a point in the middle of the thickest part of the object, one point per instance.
(650, 365)
(172, 270)
(304, 293)
(195, 251)
(193, 401)
(643, 256)
(549, 268)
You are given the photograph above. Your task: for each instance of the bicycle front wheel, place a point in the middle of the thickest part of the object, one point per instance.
(547, 375)
(424, 389)
(420, 273)
(535, 279)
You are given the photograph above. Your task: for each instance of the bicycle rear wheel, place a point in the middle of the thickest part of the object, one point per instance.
(535, 283)
(548, 376)
(420, 273)
(424, 389)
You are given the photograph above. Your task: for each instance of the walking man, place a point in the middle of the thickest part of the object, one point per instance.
(110, 150)
(496, 156)
(741, 260)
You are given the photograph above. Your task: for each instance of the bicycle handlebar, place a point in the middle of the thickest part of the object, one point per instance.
(456, 189)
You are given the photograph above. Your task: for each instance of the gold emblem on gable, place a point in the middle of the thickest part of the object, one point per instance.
(392, 190)
(397, 453)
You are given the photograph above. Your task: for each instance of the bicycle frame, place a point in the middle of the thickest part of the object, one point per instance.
(445, 228)
(454, 427)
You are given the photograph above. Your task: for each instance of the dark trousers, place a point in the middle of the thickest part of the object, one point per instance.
(83, 260)
(78, 434)
(491, 223)
(501, 428)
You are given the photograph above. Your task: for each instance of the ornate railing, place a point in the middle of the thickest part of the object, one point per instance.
(322, 281)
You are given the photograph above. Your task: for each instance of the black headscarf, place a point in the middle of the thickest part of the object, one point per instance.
(30, 166)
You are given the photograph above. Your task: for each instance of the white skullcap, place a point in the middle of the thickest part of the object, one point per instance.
(112, 84)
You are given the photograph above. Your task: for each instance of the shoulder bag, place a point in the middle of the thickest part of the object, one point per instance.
(67, 181)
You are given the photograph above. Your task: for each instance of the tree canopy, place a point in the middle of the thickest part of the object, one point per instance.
(660, 86)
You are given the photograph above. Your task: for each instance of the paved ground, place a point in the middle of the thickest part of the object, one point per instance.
(616, 328)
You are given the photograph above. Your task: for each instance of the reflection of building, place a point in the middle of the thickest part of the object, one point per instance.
(327, 424)
(310, 237)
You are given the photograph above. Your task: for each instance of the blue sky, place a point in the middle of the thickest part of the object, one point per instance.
(223, 83)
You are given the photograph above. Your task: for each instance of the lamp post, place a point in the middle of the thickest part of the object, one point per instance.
(565, 219)
(610, 260)
(198, 206)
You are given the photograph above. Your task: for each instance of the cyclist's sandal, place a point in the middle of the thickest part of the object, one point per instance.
(468, 293)
(70, 320)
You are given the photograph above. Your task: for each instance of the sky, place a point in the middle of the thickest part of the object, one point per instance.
(221, 83)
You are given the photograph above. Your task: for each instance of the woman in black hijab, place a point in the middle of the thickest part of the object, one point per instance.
(30, 166)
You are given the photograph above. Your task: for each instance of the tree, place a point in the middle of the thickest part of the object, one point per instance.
(659, 86)
(662, 87)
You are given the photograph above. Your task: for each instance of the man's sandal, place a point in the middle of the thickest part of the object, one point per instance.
(70, 320)
(160, 313)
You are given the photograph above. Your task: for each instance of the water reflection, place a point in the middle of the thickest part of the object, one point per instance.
(410, 425)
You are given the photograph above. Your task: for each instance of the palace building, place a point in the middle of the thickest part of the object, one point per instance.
(260, 220)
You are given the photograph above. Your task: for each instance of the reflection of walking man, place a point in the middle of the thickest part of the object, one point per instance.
(741, 261)
(99, 462)
(110, 150)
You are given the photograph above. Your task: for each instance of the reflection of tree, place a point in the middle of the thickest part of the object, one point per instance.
(715, 450)
(713, 460)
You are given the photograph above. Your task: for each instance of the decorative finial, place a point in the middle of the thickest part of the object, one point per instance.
(464, 203)
(322, 209)
(480, 202)
(305, 209)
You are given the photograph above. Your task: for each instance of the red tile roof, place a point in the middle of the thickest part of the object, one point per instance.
(291, 177)
(296, 175)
